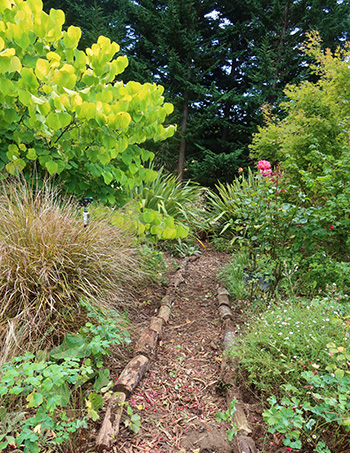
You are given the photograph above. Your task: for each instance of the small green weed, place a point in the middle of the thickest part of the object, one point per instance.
(227, 416)
(132, 421)
(233, 276)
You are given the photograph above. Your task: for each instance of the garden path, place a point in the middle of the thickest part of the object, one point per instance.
(179, 396)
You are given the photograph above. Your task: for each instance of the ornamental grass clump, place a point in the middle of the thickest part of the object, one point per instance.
(50, 263)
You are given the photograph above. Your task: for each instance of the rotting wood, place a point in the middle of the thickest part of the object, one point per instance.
(226, 374)
(166, 301)
(131, 375)
(164, 313)
(222, 291)
(223, 300)
(157, 325)
(244, 444)
(229, 340)
(225, 312)
(110, 426)
(147, 343)
(240, 420)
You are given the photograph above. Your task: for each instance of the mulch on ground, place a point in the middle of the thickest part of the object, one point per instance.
(181, 393)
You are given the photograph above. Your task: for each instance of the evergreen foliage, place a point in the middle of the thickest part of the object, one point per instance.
(219, 63)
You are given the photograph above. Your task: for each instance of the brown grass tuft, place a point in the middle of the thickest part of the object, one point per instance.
(49, 262)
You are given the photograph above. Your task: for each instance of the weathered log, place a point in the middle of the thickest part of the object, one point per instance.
(222, 290)
(229, 326)
(226, 373)
(157, 325)
(223, 299)
(147, 343)
(225, 312)
(244, 444)
(110, 426)
(229, 340)
(166, 301)
(132, 374)
(164, 313)
(240, 420)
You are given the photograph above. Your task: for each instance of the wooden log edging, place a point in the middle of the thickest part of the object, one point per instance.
(132, 374)
(242, 443)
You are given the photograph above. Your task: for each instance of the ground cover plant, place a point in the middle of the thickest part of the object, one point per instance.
(48, 398)
(296, 355)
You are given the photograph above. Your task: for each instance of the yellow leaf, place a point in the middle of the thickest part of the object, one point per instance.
(139, 407)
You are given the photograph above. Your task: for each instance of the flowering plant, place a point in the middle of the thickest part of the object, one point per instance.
(265, 167)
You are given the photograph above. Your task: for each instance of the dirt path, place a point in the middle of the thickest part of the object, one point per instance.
(180, 395)
(177, 400)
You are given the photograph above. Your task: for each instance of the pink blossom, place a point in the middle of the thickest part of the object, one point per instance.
(331, 227)
(264, 165)
(267, 172)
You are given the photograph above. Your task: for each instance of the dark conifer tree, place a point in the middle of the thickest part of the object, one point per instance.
(219, 61)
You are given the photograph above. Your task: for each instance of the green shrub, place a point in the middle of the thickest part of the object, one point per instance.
(223, 203)
(165, 208)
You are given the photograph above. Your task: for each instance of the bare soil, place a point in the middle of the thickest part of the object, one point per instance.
(180, 395)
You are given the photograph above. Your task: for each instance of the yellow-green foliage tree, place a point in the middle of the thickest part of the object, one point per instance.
(66, 112)
(316, 123)
(312, 143)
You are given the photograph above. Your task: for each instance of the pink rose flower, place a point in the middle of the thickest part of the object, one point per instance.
(264, 165)
(267, 172)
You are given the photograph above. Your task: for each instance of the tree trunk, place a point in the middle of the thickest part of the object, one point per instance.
(182, 150)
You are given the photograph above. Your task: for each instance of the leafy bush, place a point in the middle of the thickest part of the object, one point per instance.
(255, 213)
(65, 111)
(312, 143)
(50, 262)
(169, 197)
(223, 203)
